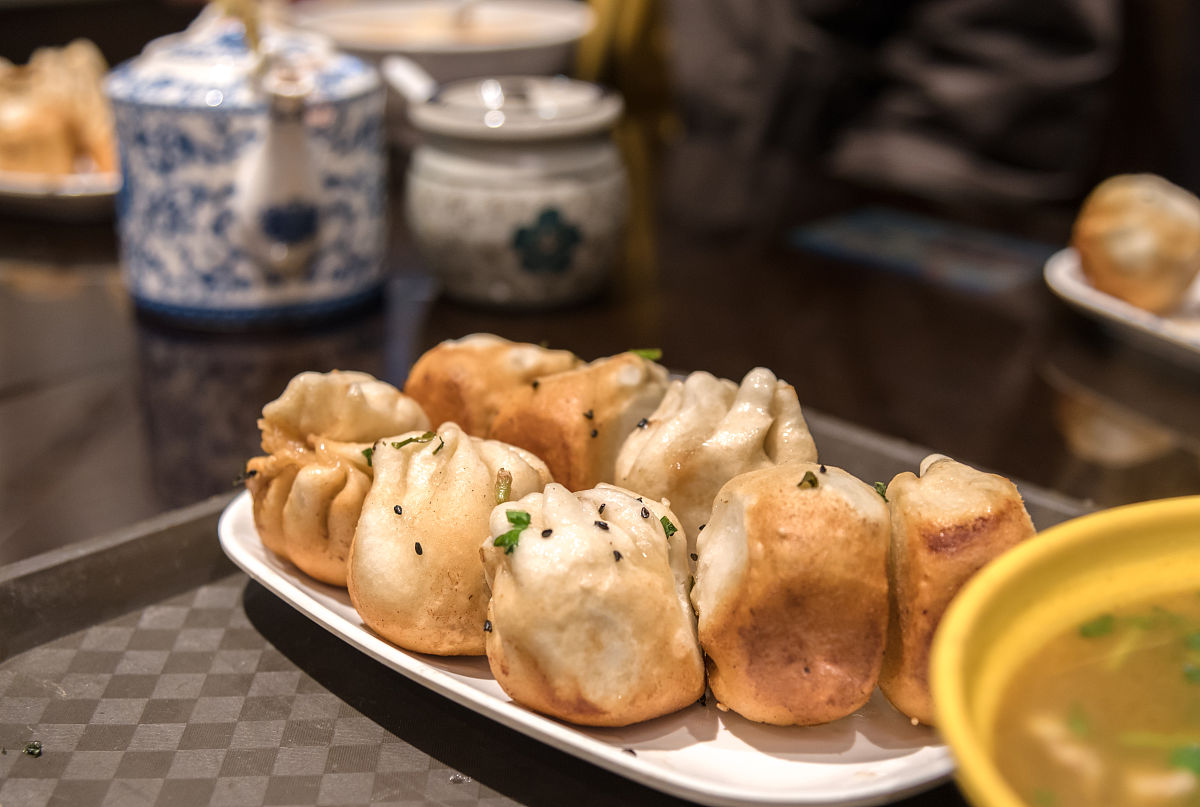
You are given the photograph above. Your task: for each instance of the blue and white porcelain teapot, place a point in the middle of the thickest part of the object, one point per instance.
(254, 177)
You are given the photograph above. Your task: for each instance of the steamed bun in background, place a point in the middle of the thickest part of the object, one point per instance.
(1138, 238)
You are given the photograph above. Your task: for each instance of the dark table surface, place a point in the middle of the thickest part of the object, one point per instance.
(106, 418)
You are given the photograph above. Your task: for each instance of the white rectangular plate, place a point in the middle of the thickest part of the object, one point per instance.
(1175, 337)
(874, 756)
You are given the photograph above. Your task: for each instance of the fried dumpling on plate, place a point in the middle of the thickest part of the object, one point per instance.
(415, 576)
(464, 380)
(306, 504)
(791, 593)
(308, 490)
(589, 617)
(342, 405)
(947, 524)
(577, 420)
(708, 430)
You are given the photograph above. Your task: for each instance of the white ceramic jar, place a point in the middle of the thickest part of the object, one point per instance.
(254, 183)
(517, 196)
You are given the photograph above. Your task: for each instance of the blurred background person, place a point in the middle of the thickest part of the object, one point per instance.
(998, 104)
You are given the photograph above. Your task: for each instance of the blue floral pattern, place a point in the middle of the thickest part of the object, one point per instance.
(141, 81)
(178, 222)
(546, 246)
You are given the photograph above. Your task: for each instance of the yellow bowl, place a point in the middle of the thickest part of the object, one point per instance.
(1063, 576)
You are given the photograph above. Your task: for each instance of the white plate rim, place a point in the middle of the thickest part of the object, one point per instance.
(240, 543)
(100, 184)
(578, 19)
(1064, 275)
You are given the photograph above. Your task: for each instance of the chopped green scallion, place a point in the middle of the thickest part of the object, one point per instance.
(1102, 625)
(519, 520)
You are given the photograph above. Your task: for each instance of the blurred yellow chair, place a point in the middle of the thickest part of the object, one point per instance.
(627, 50)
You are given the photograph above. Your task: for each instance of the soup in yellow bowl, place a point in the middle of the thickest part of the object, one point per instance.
(1068, 671)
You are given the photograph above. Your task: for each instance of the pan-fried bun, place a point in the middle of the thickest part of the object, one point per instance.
(791, 593)
(307, 503)
(309, 489)
(577, 420)
(342, 405)
(415, 576)
(946, 524)
(589, 617)
(1138, 238)
(464, 380)
(708, 430)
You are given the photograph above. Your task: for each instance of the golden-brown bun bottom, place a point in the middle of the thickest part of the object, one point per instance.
(465, 380)
(946, 525)
(794, 632)
(577, 420)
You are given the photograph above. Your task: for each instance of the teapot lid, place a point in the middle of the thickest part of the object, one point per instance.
(518, 108)
(210, 66)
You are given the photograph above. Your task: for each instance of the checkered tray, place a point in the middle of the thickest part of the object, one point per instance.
(186, 702)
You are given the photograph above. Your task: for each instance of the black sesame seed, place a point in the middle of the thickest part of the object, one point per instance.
(589, 414)
(630, 751)
(645, 513)
(702, 526)
(806, 670)
(640, 499)
(595, 433)
(417, 546)
(602, 525)
(823, 468)
(602, 506)
(695, 556)
(536, 383)
(616, 554)
(643, 423)
(252, 472)
(546, 533)
(398, 510)
(487, 626)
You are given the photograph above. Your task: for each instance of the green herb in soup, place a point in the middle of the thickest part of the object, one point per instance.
(1108, 714)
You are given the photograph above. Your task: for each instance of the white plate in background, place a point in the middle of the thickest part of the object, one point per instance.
(1175, 337)
(66, 197)
(874, 756)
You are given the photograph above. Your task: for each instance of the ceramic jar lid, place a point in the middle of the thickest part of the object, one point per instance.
(209, 66)
(518, 108)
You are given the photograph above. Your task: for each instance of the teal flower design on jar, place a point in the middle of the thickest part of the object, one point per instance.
(547, 245)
